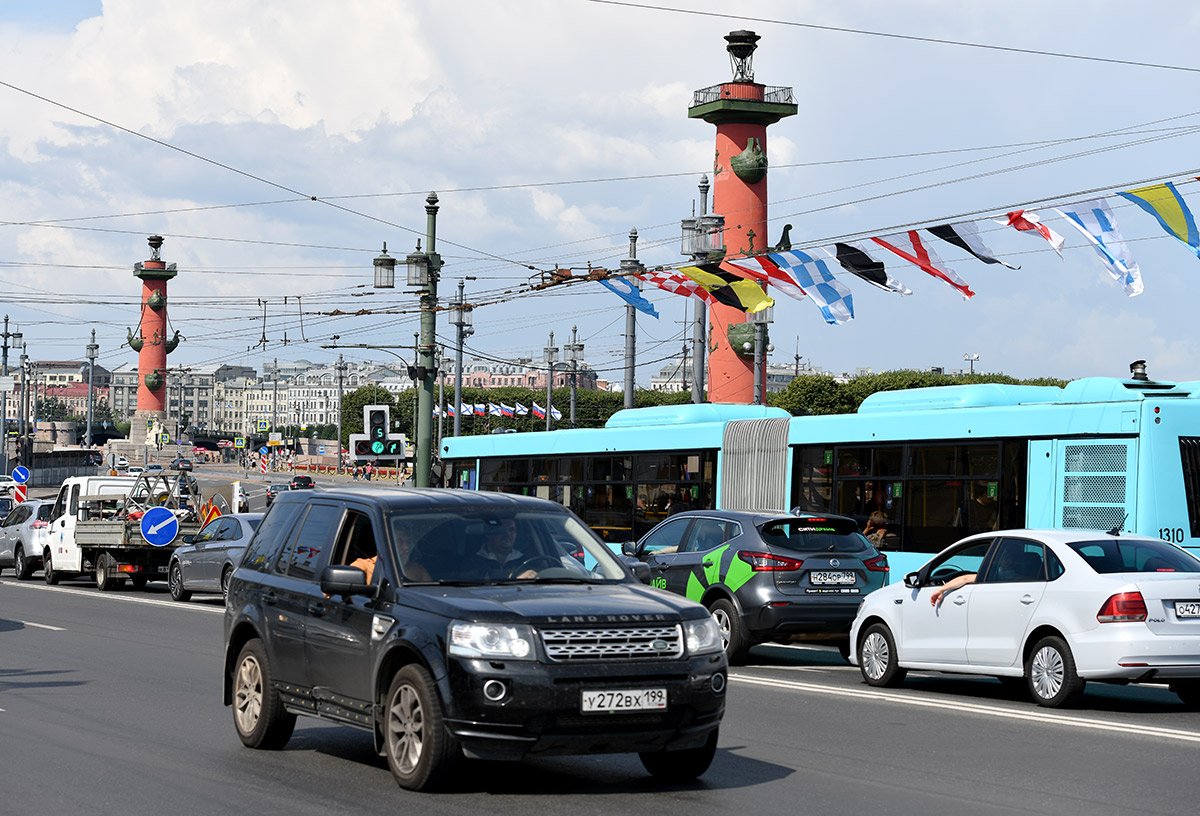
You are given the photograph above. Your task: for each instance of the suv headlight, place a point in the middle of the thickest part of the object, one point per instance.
(491, 640)
(702, 636)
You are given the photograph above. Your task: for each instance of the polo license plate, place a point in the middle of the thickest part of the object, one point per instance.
(1187, 609)
(827, 578)
(624, 700)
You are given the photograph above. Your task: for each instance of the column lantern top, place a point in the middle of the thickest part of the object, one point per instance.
(154, 269)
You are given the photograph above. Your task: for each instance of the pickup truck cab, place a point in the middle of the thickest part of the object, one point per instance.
(454, 623)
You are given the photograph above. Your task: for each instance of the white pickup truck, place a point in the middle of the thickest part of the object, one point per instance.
(95, 528)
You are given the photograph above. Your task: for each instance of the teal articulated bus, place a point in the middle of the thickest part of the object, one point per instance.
(936, 463)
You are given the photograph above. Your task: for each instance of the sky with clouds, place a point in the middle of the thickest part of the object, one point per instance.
(549, 129)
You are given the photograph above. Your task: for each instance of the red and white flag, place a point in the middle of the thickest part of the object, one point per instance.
(1025, 221)
(677, 284)
(910, 247)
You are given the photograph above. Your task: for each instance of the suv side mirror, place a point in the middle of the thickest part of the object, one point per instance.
(629, 548)
(913, 580)
(343, 580)
(640, 569)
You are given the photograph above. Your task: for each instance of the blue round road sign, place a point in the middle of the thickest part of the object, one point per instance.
(264, 450)
(20, 474)
(159, 526)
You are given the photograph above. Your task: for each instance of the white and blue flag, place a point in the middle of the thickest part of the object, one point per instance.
(1094, 220)
(799, 274)
(629, 292)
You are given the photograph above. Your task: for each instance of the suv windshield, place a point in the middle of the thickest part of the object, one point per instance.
(1134, 555)
(483, 546)
(809, 534)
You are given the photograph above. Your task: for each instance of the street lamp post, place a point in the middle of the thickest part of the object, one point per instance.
(574, 350)
(971, 359)
(551, 357)
(92, 349)
(424, 268)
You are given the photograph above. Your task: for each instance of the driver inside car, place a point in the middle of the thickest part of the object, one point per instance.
(499, 556)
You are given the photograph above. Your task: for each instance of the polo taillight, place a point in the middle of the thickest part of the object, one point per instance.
(1123, 607)
(768, 562)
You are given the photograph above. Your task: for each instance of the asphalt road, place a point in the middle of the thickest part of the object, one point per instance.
(110, 704)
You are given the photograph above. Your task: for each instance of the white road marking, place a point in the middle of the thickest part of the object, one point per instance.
(42, 626)
(818, 669)
(1037, 715)
(183, 607)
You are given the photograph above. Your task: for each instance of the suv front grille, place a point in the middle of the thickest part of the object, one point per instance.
(607, 643)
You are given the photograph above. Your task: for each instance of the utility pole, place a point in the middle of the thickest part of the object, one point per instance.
(23, 441)
(441, 398)
(425, 365)
(92, 348)
(700, 321)
(275, 395)
(416, 425)
(341, 372)
(574, 351)
(551, 356)
(460, 318)
(630, 267)
(16, 338)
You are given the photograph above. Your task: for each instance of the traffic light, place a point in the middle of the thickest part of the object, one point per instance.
(377, 442)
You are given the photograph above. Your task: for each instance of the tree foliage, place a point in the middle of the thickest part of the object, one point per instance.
(805, 395)
(828, 395)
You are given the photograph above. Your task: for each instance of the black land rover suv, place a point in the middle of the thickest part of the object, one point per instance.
(452, 623)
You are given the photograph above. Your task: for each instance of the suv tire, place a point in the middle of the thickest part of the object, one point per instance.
(420, 751)
(258, 713)
(21, 565)
(729, 622)
(680, 766)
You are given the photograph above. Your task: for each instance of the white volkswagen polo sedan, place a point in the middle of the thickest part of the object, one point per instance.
(1056, 607)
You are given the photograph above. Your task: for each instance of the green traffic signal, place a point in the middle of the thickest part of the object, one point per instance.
(377, 447)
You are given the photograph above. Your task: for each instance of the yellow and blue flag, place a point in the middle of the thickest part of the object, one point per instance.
(1165, 203)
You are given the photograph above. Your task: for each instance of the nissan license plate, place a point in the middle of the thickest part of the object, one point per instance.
(826, 578)
(1187, 609)
(624, 700)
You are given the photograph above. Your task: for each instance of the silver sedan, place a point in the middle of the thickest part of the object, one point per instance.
(207, 559)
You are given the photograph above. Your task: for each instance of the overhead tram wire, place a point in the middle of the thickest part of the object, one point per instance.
(1128, 130)
(542, 184)
(245, 174)
(895, 36)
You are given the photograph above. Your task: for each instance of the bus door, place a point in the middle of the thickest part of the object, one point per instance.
(1095, 483)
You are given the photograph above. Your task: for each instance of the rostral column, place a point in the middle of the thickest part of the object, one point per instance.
(152, 345)
(741, 109)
